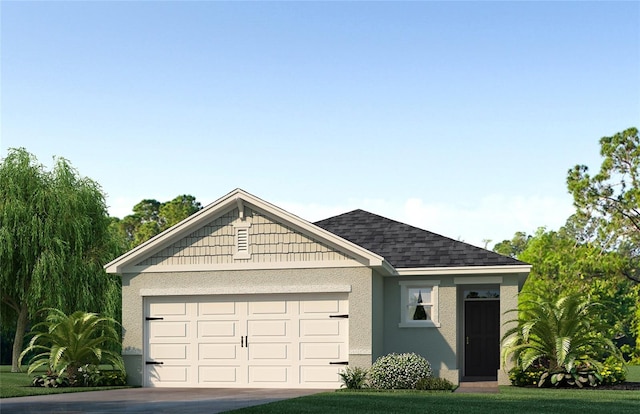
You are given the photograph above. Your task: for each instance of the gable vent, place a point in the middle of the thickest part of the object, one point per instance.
(243, 240)
(242, 243)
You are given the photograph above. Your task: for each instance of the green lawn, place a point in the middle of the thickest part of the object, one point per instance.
(19, 385)
(510, 400)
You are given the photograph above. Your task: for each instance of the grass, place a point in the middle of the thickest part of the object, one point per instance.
(18, 384)
(510, 400)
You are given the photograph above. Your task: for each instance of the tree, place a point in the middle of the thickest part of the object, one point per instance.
(150, 217)
(513, 247)
(563, 265)
(54, 240)
(610, 200)
(67, 343)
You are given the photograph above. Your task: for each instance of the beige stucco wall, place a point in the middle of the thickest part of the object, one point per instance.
(359, 279)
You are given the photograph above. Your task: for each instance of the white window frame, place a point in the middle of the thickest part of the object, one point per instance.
(406, 320)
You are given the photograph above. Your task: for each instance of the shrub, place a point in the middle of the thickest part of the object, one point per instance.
(398, 371)
(354, 378)
(50, 380)
(72, 346)
(434, 383)
(611, 372)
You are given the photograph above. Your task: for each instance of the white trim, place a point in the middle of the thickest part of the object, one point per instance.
(136, 255)
(463, 270)
(405, 285)
(245, 290)
(478, 280)
(242, 266)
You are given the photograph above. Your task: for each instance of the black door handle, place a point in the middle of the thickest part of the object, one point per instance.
(154, 363)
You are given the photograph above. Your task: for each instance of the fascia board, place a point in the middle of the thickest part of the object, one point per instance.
(464, 270)
(229, 202)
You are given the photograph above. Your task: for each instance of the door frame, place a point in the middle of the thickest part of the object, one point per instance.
(463, 325)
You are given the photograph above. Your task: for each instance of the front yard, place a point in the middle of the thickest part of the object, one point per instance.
(510, 399)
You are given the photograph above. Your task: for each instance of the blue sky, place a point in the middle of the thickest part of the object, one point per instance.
(458, 117)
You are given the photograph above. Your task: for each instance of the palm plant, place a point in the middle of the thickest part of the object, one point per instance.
(66, 343)
(560, 337)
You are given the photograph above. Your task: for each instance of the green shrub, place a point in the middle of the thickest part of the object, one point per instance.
(398, 371)
(50, 380)
(610, 372)
(434, 383)
(613, 372)
(354, 378)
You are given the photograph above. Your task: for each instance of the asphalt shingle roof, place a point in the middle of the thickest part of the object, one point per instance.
(405, 246)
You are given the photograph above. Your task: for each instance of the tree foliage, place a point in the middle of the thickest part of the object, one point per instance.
(563, 265)
(54, 240)
(609, 201)
(150, 218)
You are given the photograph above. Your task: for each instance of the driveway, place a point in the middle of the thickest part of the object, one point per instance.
(150, 400)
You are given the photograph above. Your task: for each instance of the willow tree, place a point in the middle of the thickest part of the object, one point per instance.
(54, 240)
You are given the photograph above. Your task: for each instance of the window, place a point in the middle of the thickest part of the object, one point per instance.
(419, 304)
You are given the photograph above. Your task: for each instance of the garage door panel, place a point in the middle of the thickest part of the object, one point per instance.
(217, 351)
(217, 329)
(269, 374)
(326, 327)
(159, 329)
(268, 328)
(268, 308)
(320, 350)
(269, 351)
(169, 374)
(168, 351)
(319, 306)
(320, 374)
(216, 308)
(228, 375)
(168, 309)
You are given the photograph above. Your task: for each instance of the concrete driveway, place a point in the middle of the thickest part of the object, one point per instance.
(150, 400)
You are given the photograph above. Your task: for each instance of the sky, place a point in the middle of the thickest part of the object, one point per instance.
(461, 118)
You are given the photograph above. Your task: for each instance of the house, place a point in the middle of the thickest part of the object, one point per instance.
(245, 294)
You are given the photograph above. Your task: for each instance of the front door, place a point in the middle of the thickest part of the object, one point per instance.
(482, 338)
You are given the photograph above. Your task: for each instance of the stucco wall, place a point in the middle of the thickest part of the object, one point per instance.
(359, 279)
(508, 301)
(436, 344)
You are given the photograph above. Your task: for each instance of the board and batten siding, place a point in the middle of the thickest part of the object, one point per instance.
(269, 241)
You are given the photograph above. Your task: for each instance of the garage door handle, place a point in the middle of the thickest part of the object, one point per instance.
(154, 363)
(153, 318)
(339, 363)
(339, 316)
(244, 341)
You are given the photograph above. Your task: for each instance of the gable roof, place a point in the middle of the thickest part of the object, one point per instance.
(238, 199)
(405, 246)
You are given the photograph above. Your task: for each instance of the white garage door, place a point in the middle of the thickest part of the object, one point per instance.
(261, 341)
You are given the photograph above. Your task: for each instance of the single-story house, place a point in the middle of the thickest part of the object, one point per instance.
(246, 294)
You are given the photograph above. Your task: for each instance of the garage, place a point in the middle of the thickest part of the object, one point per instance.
(254, 340)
